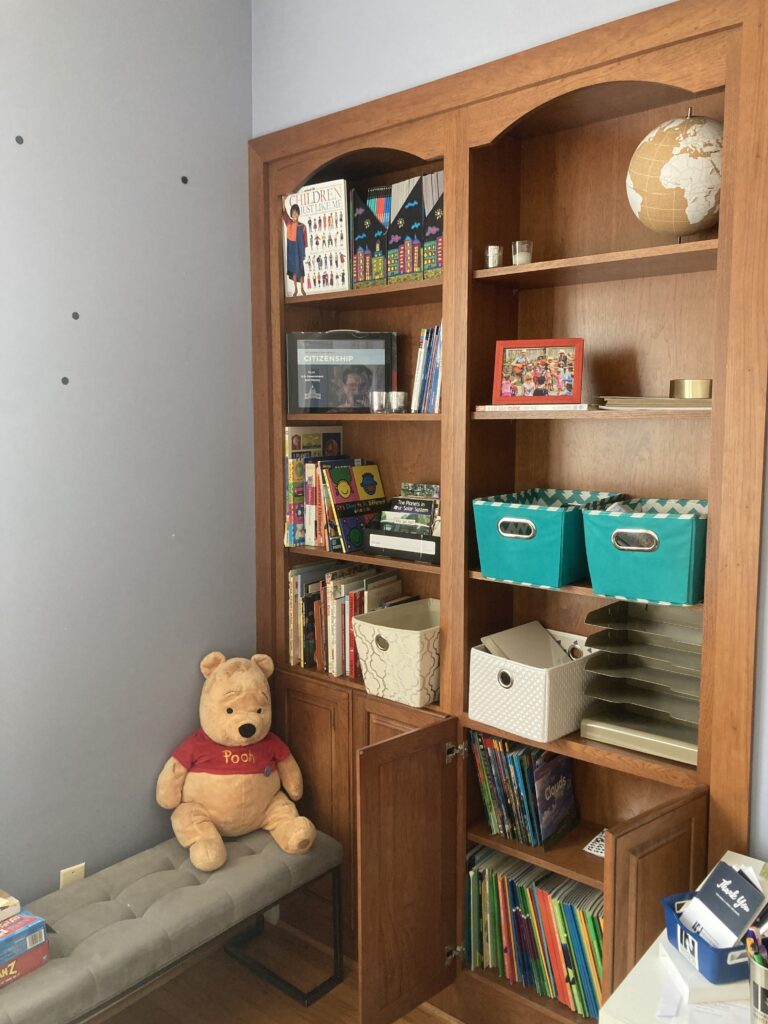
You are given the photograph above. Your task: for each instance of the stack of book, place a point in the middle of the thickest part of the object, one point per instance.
(427, 380)
(527, 792)
(23, 940)
(329, 497)
(535, 928)
(323, 600)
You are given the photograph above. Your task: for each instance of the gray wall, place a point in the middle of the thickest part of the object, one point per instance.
(296, 77)
(126, 503)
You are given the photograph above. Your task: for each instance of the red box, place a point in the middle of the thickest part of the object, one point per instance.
(12, 970)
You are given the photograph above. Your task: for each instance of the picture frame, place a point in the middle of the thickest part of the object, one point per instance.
(538, 371)
(335, 371)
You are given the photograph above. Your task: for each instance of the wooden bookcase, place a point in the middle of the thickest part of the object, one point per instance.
(533, 146)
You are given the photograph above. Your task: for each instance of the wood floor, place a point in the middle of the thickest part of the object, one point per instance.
(219, 990)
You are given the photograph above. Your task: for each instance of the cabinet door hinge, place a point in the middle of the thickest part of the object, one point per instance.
(453, 953)
(452, 751)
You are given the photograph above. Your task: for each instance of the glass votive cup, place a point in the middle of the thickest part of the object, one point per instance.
(522, 252)
(494, 256)
(396, 401)
(378, 401)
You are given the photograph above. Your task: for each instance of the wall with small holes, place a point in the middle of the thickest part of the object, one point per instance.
(126, 501)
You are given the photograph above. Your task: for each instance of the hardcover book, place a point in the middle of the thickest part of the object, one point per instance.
(432, 247)
(369, 243)
(355, 494)
(316, 239)
(557, 812)
(404, 238)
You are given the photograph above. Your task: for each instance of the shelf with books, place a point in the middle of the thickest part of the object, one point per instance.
(363, 417)
(642, 765)
(379, 296)
(656, 261)
(364, 559)
(512, 412)
(567, 858)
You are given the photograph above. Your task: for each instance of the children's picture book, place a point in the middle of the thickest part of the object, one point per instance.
(355, 494)
(405, 235)
(369, 217)
(432, 246)
(553, 781)
(301, 445)
(315, 238)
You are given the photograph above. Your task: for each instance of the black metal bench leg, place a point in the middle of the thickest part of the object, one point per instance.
(236, 949)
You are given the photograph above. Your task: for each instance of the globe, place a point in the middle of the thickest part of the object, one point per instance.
(673, 181)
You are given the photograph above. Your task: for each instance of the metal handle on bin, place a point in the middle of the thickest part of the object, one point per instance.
(381, 642)
(504, 679)
(635, 540)
(528, 531)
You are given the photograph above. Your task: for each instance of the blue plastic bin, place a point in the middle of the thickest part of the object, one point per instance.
(717, 965)
(535, 537)
(654, 553)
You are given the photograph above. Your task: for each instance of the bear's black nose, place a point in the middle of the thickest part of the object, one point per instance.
(247, 730)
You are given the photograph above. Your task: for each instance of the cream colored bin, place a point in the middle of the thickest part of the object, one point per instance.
(535, 703)
(399, 651)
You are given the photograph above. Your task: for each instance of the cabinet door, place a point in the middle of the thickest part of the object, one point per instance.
(315, 720)
(406, 870)
(657, 853)
(375, 719)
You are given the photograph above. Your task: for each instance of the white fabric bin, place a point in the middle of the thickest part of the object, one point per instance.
(399, 651)
(538, 704)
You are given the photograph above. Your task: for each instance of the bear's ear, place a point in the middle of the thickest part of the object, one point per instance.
(210, 662)
(265, 663)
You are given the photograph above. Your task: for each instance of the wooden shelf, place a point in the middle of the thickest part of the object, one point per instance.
(527, 999)
(321, 677)
(362, 417)
(514, 413)
(567, 858)
(381, 296)
(661, 260)
(364, 559)
(583, 588)
(629, 761)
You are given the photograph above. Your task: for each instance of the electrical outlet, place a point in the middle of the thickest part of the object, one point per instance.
(69, 875)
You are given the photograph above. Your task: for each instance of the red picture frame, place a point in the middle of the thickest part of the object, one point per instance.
(525, 373)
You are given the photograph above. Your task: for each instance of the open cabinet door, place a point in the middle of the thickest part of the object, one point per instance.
(406, 870)
(660, 852)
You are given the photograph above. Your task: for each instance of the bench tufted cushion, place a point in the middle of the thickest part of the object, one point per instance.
(118, 927)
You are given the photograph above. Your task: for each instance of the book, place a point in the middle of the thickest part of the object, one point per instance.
(432, 246)
(404, 237)
(9, 905)
(369, 218)
(302, 444)
(315, 239)
(538, 407)
(355, 494)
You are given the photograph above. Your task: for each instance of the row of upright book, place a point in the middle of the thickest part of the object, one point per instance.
(527, 793)
(336, 237)
(428, 376)
(323, 600)
(535, 928)
(329, 497)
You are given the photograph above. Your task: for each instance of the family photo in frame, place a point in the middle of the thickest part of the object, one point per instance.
(538, 371)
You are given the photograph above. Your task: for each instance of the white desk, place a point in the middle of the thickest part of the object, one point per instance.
(636, 999)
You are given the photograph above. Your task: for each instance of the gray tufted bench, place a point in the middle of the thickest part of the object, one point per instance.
(133, 922)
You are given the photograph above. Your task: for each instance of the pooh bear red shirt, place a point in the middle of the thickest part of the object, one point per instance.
(199, 753)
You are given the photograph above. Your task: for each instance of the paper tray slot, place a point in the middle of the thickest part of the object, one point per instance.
(618, 727)
(675, 628)
(629, 670)
(642, 701)
(613, 641)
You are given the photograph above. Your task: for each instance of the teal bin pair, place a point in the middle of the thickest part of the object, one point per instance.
(535, 537)
(650, 549)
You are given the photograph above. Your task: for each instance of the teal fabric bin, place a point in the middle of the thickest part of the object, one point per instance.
(535, 537)
(655, 552)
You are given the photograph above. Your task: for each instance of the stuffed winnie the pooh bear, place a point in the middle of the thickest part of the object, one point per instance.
(225, 779)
